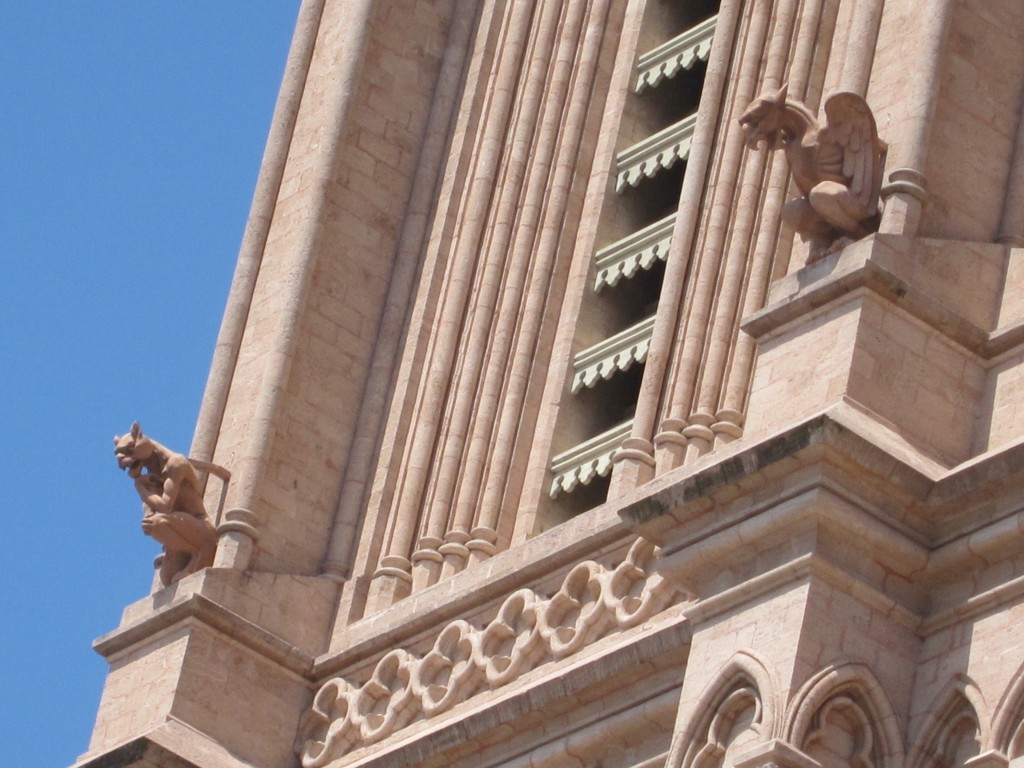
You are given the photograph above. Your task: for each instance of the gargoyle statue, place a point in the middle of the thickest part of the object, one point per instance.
(172, 504)
(837, 166)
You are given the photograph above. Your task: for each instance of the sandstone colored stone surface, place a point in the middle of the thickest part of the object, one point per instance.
(787, 528)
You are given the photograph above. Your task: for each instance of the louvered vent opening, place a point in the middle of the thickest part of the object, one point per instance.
(617, 316)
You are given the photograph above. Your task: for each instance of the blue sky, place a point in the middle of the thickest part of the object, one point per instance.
(131, 133)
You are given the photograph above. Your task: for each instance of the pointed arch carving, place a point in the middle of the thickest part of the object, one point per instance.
(843, 715)
(738, 707)
(1007, 734)
(956, 729)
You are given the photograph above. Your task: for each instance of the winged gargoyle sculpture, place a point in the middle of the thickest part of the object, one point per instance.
(836, 166)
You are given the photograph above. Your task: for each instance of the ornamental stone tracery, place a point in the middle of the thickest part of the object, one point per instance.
(529, 630)
(840, 717)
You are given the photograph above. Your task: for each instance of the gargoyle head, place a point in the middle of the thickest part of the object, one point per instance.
(765, 120)
(133, 450)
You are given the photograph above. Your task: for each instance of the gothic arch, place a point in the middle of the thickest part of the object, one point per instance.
(956, 728)
(1007, 733)
(738, 706)
(844, 710)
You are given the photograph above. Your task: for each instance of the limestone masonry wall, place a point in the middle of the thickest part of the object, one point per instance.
(551, 441)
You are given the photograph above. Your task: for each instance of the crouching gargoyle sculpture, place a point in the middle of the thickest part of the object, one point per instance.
(837, 167)
(172, 504)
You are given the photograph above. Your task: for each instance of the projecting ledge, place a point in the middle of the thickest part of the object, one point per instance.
(836, 487)
(196, 608)
(172, 745)
(187, 662)
(819, 495)
(906, 328)
(778, 467)
(951, 286)
(281, 611)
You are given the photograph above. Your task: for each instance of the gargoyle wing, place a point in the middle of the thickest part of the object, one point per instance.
(850, 127)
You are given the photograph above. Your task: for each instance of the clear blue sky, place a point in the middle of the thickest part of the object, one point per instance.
(131, 133)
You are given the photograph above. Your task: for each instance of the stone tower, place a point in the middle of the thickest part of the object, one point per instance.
(548, 447)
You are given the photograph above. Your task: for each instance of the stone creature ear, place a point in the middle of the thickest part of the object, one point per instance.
(136, 429)
(782, 93)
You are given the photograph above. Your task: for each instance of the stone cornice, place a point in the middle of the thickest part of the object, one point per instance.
(195, 608)
(884, 264)
(864, 273)
(172, 745)
(747, 463)
(829, 488)
(801, 569)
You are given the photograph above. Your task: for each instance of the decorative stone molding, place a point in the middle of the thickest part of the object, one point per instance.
(848, 692)
(958, 713)
(583, 462)
(237, 535)
(617, 353)
(744, 684)
(904, 198)
(906, 181)
(842, 706)
(637, 251)
(843, 714)
(1007, 734)
(723, 735)
(395, 566)
(655, 153)
(530, 629)
(681, 52)
(721, 427)
(636, 449)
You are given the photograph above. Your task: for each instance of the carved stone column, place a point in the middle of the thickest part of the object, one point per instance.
(393, 577)
(1011, 228)
(701, 344)
(490, 453)
(635, 462)
(237, 534)
(904, 199)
